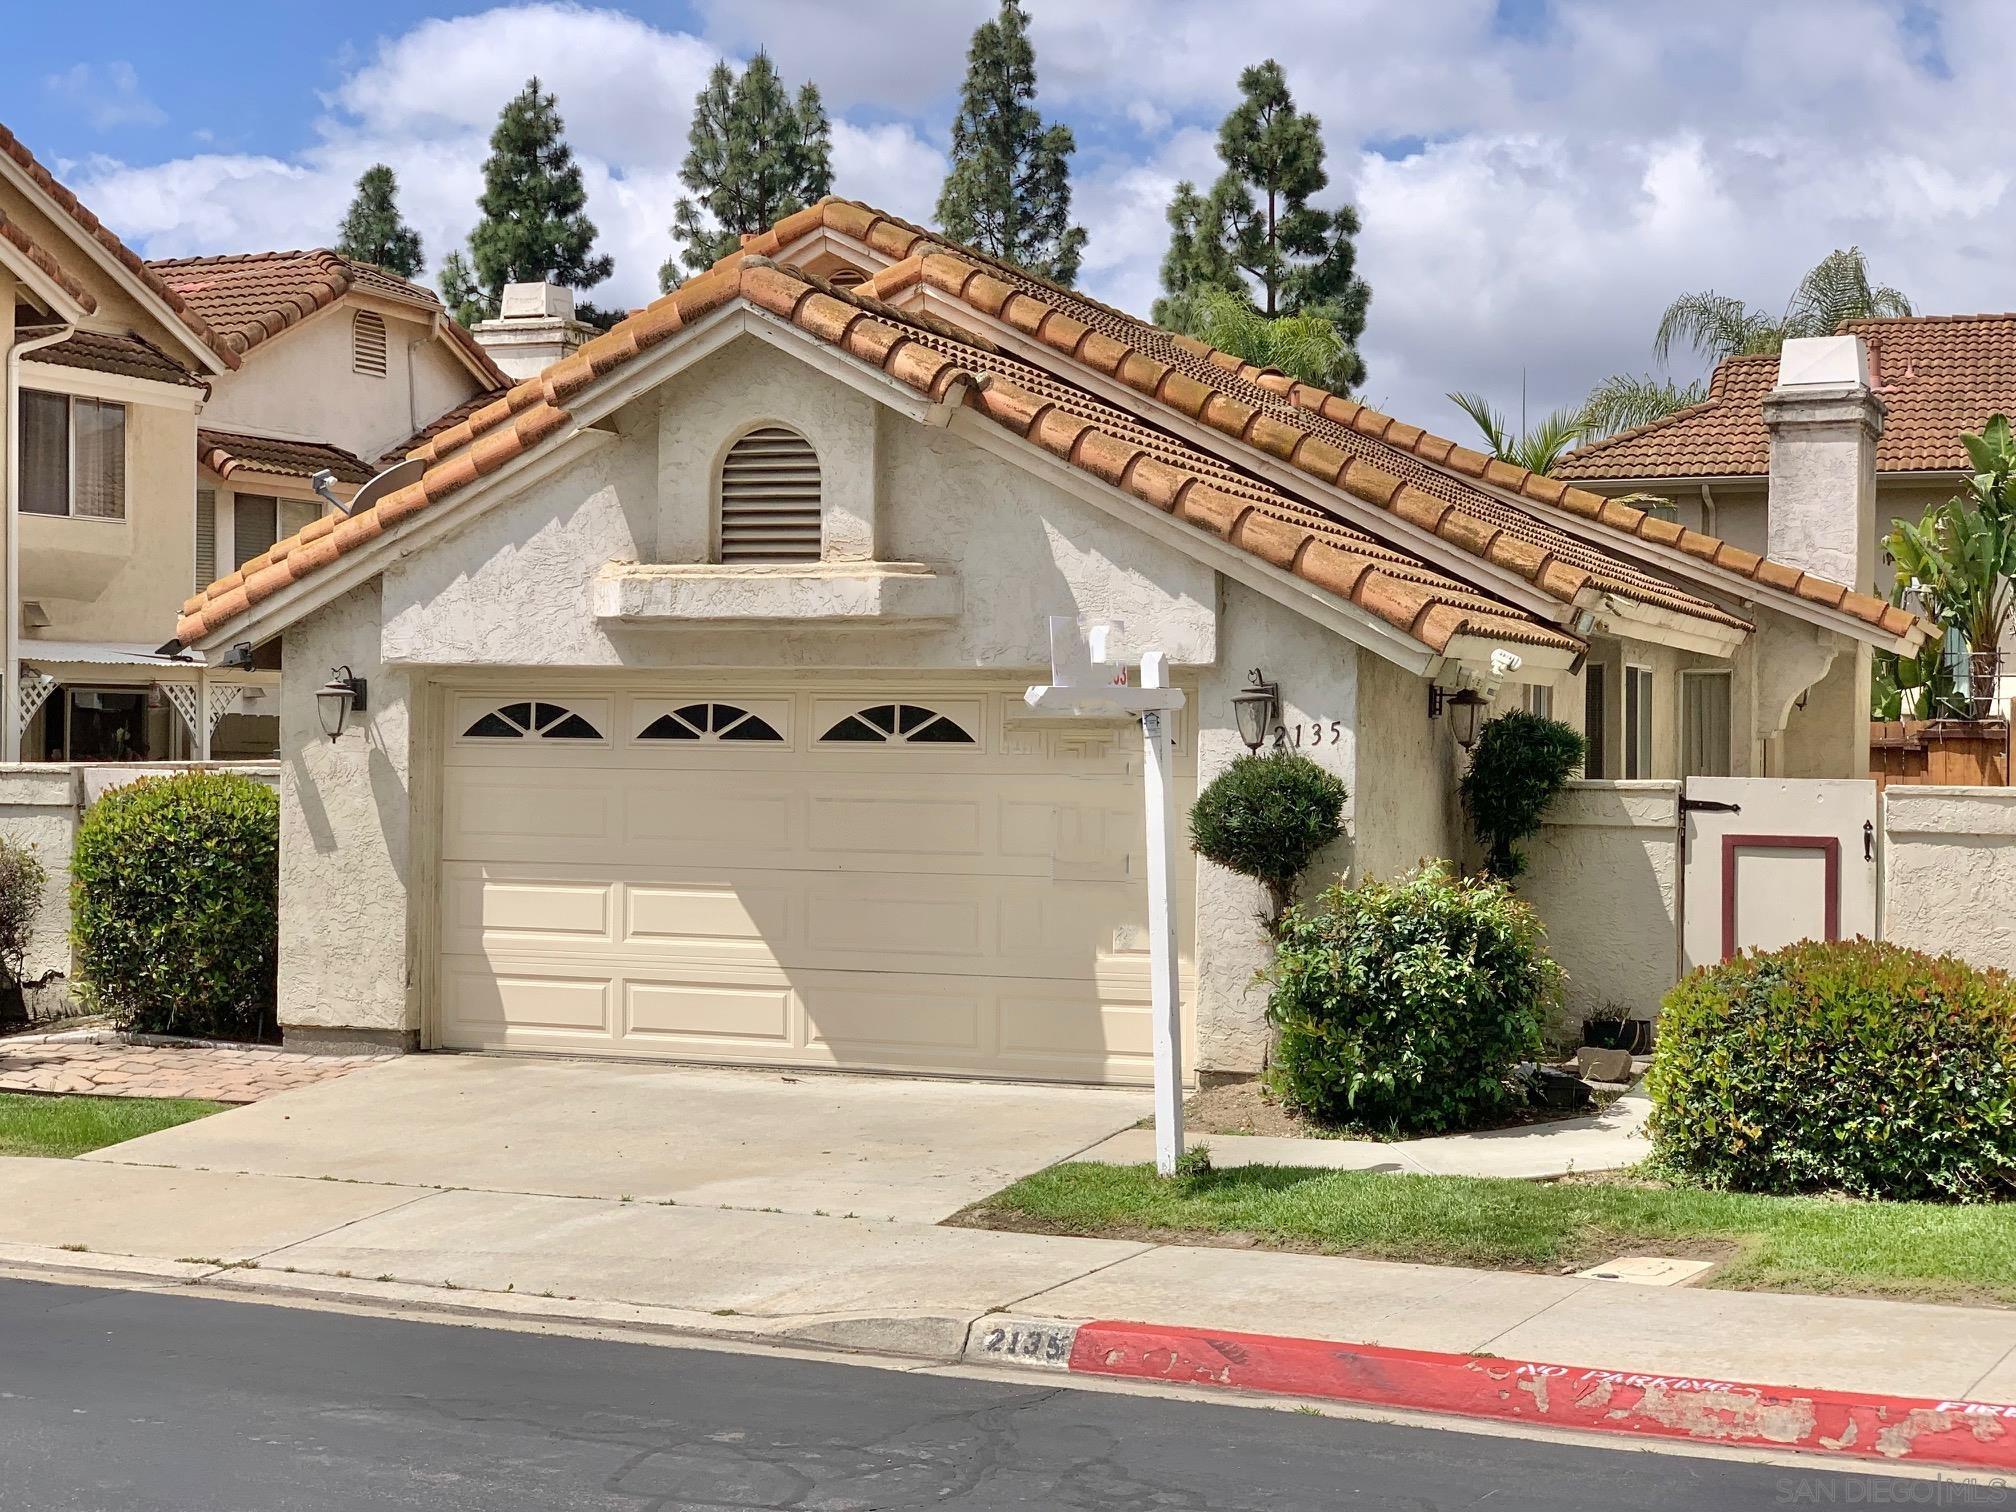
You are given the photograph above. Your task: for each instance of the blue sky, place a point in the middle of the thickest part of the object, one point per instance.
(1536, 177)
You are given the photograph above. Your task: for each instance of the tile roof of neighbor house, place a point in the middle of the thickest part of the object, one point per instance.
(43, 179)
(1938, 375)
(1376, 459)
(12, 232)
(127, 356)
(224, 454)
(251, 297)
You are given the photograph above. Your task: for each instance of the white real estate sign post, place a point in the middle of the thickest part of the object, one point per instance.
(1084, 684)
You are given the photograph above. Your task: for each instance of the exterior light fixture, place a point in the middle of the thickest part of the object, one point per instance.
(337, 699)
(1465, 708)
(1255, 707)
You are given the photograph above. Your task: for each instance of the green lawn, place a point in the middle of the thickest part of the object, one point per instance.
(64, 1126)
(1919, 1250)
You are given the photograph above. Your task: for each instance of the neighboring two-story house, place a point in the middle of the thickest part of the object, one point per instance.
(162, 424)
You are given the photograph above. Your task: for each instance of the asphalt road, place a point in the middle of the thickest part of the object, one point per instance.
(130, 1400)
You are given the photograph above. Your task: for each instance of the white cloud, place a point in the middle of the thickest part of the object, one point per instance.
(1529, 203)
(109, 97)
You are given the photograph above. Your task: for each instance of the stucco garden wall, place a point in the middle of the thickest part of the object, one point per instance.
(1949, 872)
(1602, 875)
(41, 804)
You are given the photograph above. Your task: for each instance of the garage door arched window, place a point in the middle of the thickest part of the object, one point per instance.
(710, 721)
(770, 498)
(897, 723)
(531, 721)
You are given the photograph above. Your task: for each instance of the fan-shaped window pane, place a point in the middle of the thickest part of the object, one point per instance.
(519, 714)
(520, 721)
(899, 723)
(573, 727)
(852, 728)
(942, 731)
(751, 728)
(492, 727)
(665, 727)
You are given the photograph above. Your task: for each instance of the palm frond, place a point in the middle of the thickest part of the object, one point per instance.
(1712, 325)
(1546, 443)
(1497, 437)
(1624, 400)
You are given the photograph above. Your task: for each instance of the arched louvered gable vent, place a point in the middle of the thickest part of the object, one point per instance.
(770, 498)
(367, 343)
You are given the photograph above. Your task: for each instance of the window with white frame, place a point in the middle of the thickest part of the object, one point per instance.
(1595, 720)
(770, 498)
(1637, 722)
(1704, 723)
(206, 538)
(258, 521)
(73, 456)
(1536, 699)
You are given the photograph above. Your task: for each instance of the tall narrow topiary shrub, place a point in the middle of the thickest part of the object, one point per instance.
(1266, 817)
(1521, 763)
(175, 905)
(22, 879)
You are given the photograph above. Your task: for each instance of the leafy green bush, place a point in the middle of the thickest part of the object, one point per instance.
(1520, 765)
(175, 904)
(1401, 1006)
(1266, 817)
(22, 879)
(1848, 1067)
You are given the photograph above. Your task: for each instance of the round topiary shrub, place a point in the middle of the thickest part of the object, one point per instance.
(1402, 1006)
(175, 905)
(1854, 1067)
(1521, 763)
(1266, 817)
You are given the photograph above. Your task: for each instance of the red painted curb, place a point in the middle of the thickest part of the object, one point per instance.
(1975, 1435)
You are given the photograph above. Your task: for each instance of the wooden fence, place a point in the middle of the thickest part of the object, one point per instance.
(1939, 752)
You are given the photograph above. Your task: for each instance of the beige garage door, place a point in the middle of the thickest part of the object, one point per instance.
(916, 879)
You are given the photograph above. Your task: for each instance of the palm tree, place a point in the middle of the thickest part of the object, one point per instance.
(1624, 400)
(1835, 289)
(1308, 347)
(1538, 449)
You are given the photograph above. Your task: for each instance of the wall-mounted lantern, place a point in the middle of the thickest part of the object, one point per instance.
(337, 699)
(1464, 707)
(1255, 707)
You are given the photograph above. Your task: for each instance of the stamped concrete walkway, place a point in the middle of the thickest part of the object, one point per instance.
(102, 1064)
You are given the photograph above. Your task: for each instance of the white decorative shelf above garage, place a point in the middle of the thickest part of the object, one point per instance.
(832, 593)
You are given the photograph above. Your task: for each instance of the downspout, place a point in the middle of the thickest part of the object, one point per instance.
(1710, 514)
(10, 633)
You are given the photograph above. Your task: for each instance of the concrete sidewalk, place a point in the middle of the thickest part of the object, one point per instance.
(900, 1286)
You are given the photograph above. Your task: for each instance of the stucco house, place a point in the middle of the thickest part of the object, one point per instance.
(675, 709)
(163, 420)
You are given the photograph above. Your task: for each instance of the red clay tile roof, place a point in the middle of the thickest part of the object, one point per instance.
(43, 179)
(225, 454)
(127, 356)
(252, 297)
(12, 233)
(1459, 494)
(1938, 375)
(440, 423)
(940, 362)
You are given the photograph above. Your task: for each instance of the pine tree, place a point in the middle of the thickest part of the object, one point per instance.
(1256, 233)
(754, 156)
(532, 227)
(372, 230)
(1009, 189)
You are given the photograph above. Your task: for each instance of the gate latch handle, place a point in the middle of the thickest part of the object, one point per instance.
(1868, 839)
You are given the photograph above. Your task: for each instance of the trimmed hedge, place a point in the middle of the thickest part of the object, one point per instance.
(1402, 1006)
(175, 905)
(1266, 817)
(1852, 1067)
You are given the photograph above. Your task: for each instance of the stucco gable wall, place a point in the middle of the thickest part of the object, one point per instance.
(515, 585)
(301, 384)
(118, 310)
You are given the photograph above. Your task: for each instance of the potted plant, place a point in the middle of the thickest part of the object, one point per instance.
(1611, 1027)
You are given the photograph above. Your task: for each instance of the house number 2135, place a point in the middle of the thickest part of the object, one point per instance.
(1315, 732)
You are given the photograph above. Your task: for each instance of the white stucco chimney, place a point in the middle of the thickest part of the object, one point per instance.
(1824, 421)
(535, 327)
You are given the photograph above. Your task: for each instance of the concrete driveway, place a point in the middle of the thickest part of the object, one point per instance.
(796, 1142)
